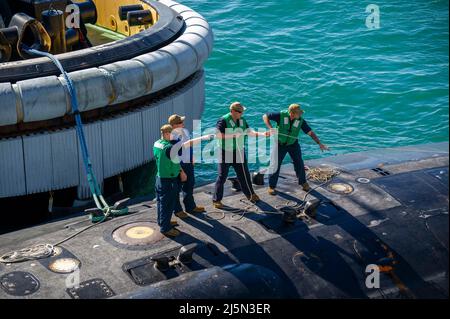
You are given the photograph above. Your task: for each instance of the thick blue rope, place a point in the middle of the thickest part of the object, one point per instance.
(92, 181)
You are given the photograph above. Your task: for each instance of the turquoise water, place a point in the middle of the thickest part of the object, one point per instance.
(360, 88)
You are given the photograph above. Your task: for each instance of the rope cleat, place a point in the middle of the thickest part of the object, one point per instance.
(289, 214)
(120, 207)
(311, 207)
(96, 214)
(186, 252)
(161, 263)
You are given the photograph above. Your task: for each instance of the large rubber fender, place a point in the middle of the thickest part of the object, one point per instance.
(129, 79)
(185, 57)
(193, 19)
(94, 88)
(169, 3)
(8, 110)
(41, 99)
(116, 82)
(236, 281)
(163, 68)
(195, 23)
(198, 44)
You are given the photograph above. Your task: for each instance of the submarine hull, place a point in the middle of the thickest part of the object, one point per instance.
(394, 218)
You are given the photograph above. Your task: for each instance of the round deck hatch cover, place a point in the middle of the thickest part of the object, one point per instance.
(137, 234)
(340, 188)
(64, 265)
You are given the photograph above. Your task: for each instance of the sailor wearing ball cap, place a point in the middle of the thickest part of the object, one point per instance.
(231, 131)
(289, 124)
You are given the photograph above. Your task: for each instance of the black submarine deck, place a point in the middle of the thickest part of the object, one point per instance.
(395, 217)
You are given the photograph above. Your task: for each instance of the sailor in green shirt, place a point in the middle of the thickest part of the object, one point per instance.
(231, 131)
(289, 124)
(169, 176)
(167, 181)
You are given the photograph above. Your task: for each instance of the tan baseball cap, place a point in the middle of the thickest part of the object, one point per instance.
(237, 106)
(295, 108)
(167, 128)
(176, 119)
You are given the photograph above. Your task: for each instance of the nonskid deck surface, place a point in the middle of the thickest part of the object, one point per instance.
(397, 217)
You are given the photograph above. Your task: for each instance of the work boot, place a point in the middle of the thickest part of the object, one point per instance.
(173, 222)
(217, 204)
(172, 233)
(181, 215)
(306, 187)
(198, 209)
(254, 198)
(272, 191)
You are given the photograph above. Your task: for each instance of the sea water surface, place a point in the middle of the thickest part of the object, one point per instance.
(361, 88)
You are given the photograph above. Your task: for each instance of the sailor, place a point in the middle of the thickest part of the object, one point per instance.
(167, 181)
(170, 175)
(289, 124)
(181, 134)
(231, 131)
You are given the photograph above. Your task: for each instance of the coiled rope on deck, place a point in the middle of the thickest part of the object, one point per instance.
(321, 174)
(30, 253)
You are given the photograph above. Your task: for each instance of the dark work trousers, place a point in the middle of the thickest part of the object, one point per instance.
(242, 173)
(188, 190)
(295, 153)
(166, 193)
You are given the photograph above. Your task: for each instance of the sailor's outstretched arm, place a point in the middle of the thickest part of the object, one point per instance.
(316, 139)
(267, 121)
(252, 132)
(198, 140)
(220, 135)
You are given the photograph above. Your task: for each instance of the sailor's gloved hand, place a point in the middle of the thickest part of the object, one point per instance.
(208, 137)
(262, 134)
(323, 147)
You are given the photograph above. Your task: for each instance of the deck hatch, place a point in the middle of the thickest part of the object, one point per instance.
(19, 283)
(91, 289)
